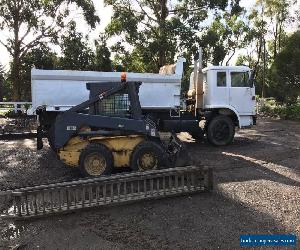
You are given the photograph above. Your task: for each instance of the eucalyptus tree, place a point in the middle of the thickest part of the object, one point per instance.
(152, 32)
(75, 50)
(28, 23)
(285, 71)
(1, 82)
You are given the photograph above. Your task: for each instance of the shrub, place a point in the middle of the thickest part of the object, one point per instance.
(271, 108)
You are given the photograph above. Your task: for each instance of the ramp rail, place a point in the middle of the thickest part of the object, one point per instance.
(66, 197)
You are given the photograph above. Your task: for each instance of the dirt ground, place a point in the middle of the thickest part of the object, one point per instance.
(257, 190)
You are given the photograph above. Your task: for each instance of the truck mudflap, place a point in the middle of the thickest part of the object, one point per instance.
(254, 118)
(66, 197)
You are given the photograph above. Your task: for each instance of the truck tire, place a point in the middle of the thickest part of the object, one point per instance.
(147, 155)
(96, 160)
(220, 130)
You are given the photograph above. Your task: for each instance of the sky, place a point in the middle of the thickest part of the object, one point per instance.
(104, 12)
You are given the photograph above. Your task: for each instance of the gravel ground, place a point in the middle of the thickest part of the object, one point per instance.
(257, 190)
(21, 124)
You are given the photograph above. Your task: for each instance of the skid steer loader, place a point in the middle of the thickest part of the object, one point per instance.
(109, 130)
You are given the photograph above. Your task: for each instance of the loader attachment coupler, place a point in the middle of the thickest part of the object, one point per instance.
(66, 197)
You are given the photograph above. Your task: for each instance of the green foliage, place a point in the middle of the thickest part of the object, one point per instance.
(225, 36)
(290, 112)
(32, 22)
(76, 54)
(5, 86)
(102, 61)
(11, 114)
(41, 57)
(1, 83)
(285, 72)
(152, 33)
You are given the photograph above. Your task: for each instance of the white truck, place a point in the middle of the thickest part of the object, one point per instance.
(223, 97)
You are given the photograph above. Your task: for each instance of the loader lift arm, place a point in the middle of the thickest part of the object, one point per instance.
(69, 123)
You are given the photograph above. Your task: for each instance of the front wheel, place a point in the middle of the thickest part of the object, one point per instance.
(96, 160)
(147, 155)
(220, 130)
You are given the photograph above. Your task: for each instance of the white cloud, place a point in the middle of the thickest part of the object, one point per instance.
(247, 4)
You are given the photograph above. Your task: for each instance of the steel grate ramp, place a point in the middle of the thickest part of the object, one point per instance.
(66, 197)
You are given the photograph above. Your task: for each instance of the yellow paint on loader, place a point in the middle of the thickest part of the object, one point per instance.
(120, 146)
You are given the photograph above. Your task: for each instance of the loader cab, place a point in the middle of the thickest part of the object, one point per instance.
(229, 87)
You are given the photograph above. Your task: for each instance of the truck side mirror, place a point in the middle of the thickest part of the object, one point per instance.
(252, 82)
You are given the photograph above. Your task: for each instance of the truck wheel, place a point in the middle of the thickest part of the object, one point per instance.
(95, 160)
(220, 130)
(147, 155)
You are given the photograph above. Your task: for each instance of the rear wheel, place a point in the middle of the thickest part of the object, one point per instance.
(147, 155)
(220, 130)
(96, 160)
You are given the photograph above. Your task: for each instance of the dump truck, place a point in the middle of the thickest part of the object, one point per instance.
(222, 98)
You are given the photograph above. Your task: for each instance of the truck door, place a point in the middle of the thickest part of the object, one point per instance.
(220, 95)
(241, 93)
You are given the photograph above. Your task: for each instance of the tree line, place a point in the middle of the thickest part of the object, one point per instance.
(152, 33)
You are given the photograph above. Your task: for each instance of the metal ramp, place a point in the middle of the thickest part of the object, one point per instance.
(66, 197)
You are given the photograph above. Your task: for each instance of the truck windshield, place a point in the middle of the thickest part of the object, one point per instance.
(240, 79)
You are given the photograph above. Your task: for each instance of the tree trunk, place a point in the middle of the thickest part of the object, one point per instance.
(275, 40)
(164, 12)
(280, 31)
(1, 90)
(15, 67)
(15, 75)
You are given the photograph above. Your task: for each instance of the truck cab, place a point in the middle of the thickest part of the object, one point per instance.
(230, 87)
(223, 96)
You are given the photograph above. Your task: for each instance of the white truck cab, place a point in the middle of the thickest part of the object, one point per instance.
(230, 87)
(223, 96)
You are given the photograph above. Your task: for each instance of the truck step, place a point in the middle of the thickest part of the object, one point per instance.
(66, 197)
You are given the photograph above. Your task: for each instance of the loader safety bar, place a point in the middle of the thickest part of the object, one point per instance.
(66, 197)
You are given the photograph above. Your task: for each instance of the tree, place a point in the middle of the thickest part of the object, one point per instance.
(285, 71)
(31, 22)
(76, 54)
(102, 61)
(154, 31)
(268, 21)
(40, 57)
(227, 34)
(1, 83)
(278, 12)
